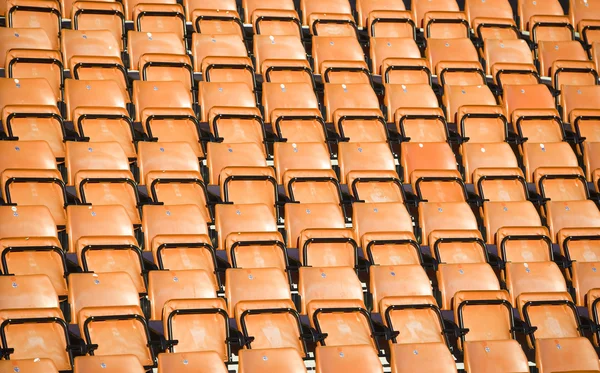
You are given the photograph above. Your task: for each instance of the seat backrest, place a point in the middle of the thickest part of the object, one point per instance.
(397, 281)
(412, 357)
(271, 360)
(86, 156)
(100, 290)
(487, 315)
(277, 47)
(552, 51)
(364, 157)
(301, 156)
(445, 216)
(347, 358)
(162, 156)
(107, 364)
(497, 215)
(335, 48)
(26, 221)
(93, 93)
(565, 354)
(380, 217)
(527, 96)
(301, 216)
(528, 8)
(287, 96)
(578, 97)
(163, 94)
(166, 285)
(174, 219)
(26, 91)
(413, 157)
(456, 96)
(140, 43)
(199, 361)
(453, 278)
(492, 155)
(450, 50)
(488, 9)
(533, 277)
(43, 365)
(571, 214)
(93, 43)
(399, 96)
(27, 291)
(331, 283)
(28, 155)
(560, 183)
(99, 220)
(420, 8)
(349, 96)
(500, 184)
(506, 354)
(23, 38)
(506, 51)
(255, 284)
(230, 218)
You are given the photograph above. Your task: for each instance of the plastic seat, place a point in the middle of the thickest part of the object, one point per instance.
(575, 98)
(220, 16)
(287, 49)
(258, 319)
(45, 15)
(230, 218)
(391, 248)
(500, 184)
(533, 277)
(390, 49)
(456, 97)
(323, 247)
(539, 308)
(237, 125)
(412, 158)
(389, 282)
(28, 365)
(529, 8)
(563, 354)
(202, 362)
(419, 8)
(212, 95)
(141, 43)
(482, 124)
(86, 160)
(304, 216)
(94, 301)
(495, 17)
(276, 21)
(358, 158)
(339, 55)
(91, 15)
(299, 125)
(185, 318)
(572, 73)
(375, 186)
(32, 292)
(25, 38)
(157, 17)
(301, 156)
(164, 286)
(248, 185)
(360, 125)
(445, 50)
(94, 55)
(506, 54)
(348, 96)
(35, 256)
(107, 364)
(386, 20)
(400, 96)
(380, 217)
(256, 250)
(438, 186)
(571, 214)
(311, 9)
(482, 156)
(255, 361)
(446, 25)
(460, 73)
(36, 333)
(561, 184)
(221, 156)
(453, 278)
(312, 186)
(107, 220)
(334, 359)
(167, 67)
(551, 51)
(91, 95)
(486, 314)
(428, 357)
(518, 97)
(497, 215)
(435, 216)
(524, 244)
(278, 96)
(323, 285)
(31, 63)
(18, 222)
(506, 355)
(163, 220)
(255, 284)
(166, 112)
(222, 58)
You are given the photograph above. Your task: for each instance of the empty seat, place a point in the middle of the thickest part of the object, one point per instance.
(392, 51)
(445, 25)
(25, 38)
(445, 50)
(571, 214)
(356, 158)
(302, 216)
(157, 17)
(412, 158)
(358, 125)
(183, 319)
(458, 96)
(301, 156)
(31, 292)
(401, 96)
(438, 186)
(26, 221)
(337, 359)
(380, 217)
(223, 155)
(255, 284)
(434, 216)
(339, 58)
(321, 285)
(201, 362)
(497, 215)
(31, 63)
(140, 43)
(494, 15)
(375, 186)
(286, 359)
(164, 220)
(533, 277)
(481, 156)
(277, 96)
(28, 365)
(36, 333)
(231, 218)
(421, 358)
(214, 94)
(529, 8)
(107, 364)
(91, 15)
(256, 250)
(391, 248)
(406, 280)
(248, 185)
(108, 220)
(94, 54)
(89, 159)
(93, 93)
(286, 48)
(323, 247)
(348, 96)
(485, 355)
(551, 51)
(453, 278)
(164, 286)
(564, 354)
(312, 186)
(506, 54)
(500, 184)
